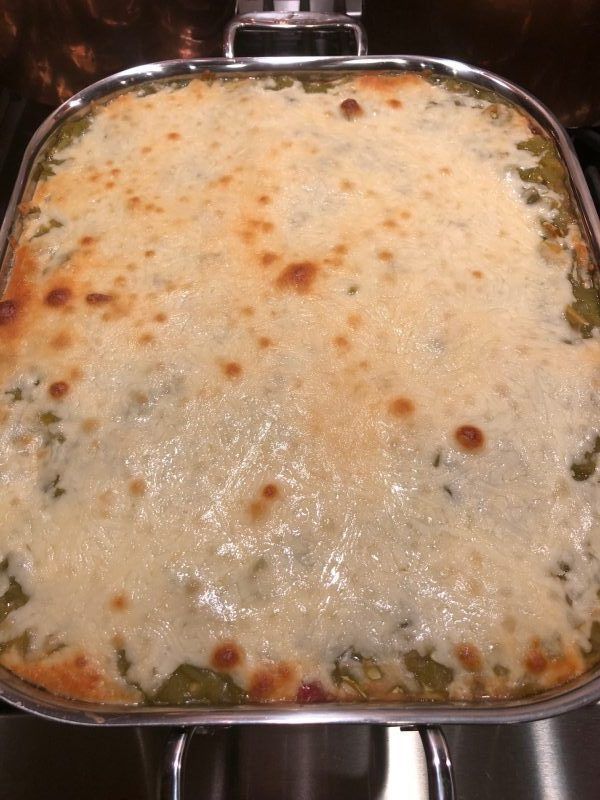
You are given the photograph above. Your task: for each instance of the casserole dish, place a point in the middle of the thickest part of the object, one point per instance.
(583, 689)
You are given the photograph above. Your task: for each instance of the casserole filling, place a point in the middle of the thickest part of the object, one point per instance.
(299, 400)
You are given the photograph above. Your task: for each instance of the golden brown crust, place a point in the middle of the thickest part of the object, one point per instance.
(69, 673)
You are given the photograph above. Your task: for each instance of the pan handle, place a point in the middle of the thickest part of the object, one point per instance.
(440, 774)
(291, 20)
(170, 781)
(439, 765)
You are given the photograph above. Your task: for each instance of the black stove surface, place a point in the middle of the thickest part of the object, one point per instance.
(549, 760)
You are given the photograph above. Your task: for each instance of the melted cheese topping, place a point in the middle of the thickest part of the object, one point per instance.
(295, 377)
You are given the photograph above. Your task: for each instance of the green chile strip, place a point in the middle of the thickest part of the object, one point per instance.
(192, 685)
(429, 673)
(14, 597)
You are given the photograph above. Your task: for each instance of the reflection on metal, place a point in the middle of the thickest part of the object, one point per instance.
(439, 766)
(171, 778)
(406, 774)
(349, 762)
(293, 21)
(549, 773)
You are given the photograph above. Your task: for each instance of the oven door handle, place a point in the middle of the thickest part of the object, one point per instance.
(439, 766)
(293, 20)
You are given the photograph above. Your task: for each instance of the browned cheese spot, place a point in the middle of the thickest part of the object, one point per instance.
(270, 491)
(87, 241)
(160, 317)
(394, 103)
(146, 149)
(247, 311)
(341, 249)
(389, 223)
(267, 258)
(351, 109)
(264, 199)
(271, 681)
(226, 656)
(389, 83)
(401, 407)
(385, 255)
(137, 487)
(354, 320)
(535, 660)
(149, 253)
(264, 342)
(97, 298)
(469, 656)
(346, 185)
(445, 170)
(61, 341)
(90, 425)
(146, 338)
(8, 311)
(232, 369)
(341, 342)
(58, 297)
(298, 276)
(256, 510)
(58, 389)
(119, 602)
(477, 273)
(469, 437)
(173, 135)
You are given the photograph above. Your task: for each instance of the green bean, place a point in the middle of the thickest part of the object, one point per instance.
(586, 466)
(352, 669)
(178, 83)
(14, 597)
(320, 83)
(279, 82)
(123, 663)
(54, 488)
(20, 643)
(532, 196)
(43, 170)
(429, 673)
(198, 686)
(549, 172)
(458, 86)
(44, 229)
(16, 393)
(537, 145)
(584, 314)
(48, 418)
(71, 130)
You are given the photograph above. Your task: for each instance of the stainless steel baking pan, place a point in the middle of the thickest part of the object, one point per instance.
(584, 690)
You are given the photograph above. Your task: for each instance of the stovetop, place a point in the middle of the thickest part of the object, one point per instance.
(553, 759)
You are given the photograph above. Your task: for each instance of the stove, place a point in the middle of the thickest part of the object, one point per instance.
(546, 760)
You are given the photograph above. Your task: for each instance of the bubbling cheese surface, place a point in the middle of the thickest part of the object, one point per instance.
(285, 379)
